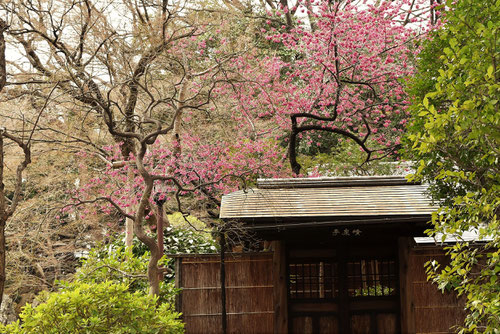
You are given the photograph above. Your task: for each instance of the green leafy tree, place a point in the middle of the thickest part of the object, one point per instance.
(455, 137)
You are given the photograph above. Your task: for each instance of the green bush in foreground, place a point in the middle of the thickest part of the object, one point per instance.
(106, 307)
(121, 265)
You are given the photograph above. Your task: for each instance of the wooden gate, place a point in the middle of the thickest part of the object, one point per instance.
(249, 293)
(345, 288)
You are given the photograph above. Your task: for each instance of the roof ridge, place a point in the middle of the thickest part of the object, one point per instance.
(346, 181)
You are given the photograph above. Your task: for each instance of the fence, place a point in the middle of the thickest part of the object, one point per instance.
(434, 312)
(249, 293)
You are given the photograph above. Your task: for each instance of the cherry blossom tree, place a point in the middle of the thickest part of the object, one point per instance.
(343, 77)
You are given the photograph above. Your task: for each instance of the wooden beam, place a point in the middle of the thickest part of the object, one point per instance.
(405, 287)
(280, 288)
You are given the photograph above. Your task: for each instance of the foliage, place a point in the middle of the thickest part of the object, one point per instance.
(456, 139)
(176, 240)
(44, 245)
(374, 290)
(120, 265)
(346, 83)
(343, 160)
(105, 307)
(179, 240)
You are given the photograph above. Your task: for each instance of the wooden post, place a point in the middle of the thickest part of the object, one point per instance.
(405, 285)
(223, 281)
(280, 291)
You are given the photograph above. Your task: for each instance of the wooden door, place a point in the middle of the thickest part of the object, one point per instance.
(346, 288)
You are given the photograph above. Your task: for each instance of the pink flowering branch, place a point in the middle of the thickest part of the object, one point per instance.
(345, 77)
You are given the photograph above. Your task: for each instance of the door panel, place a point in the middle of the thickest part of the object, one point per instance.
(387, 323)
(344, 291)
(360, 324)
(302, 325)
(328, 325)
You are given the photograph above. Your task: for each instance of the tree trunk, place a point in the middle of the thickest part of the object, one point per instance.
(3, 70)
(151, 243)
(3, 204)
(129, 223)
(159, 228)
(176, 133)
(153, 270)
(154, 273)
(3, 219)
(2, 257)
(292, 148)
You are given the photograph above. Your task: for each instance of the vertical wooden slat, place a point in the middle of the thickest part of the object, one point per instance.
(321, 277)
(405, 285)
(364, 275)
(178, 283)
(280, 288)
(223, 282)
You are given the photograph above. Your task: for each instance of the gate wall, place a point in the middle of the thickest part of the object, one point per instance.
(434, 312)
(249, 293)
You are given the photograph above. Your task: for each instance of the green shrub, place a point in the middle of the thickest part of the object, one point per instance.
(177, 240)
(106, 307)
(186, 240)
(116, 263)
(180, 240)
